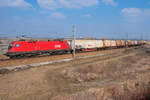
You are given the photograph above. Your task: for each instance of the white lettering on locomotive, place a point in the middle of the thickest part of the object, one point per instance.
(57, 46)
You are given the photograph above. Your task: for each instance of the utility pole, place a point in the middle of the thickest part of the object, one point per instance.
(74, 39)
(127, 40)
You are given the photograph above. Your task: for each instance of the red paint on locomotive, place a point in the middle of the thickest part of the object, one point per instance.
(27, 46)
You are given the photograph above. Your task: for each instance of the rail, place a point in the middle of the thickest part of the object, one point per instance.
(4, 70)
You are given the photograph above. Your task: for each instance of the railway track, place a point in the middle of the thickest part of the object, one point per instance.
(26, 57)
(87, 59)
(44, 55)
(44, 58)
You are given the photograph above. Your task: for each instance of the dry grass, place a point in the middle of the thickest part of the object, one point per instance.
(124, 76)
(124, 69)
(60, 85)
(102, 70)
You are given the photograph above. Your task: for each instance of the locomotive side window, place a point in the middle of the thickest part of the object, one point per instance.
(17, 45)
(10, 45)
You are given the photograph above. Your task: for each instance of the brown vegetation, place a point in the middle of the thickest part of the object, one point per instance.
(122, 76)
(128, 77)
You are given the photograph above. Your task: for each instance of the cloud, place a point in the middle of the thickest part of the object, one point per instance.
(136, 14)
(58, 15)
(131, 11)
(56, 4)
(14, 3)
(110, 2)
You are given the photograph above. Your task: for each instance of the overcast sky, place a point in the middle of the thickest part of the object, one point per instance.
(94, 18)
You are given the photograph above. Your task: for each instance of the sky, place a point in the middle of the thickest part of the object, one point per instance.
(93, 18)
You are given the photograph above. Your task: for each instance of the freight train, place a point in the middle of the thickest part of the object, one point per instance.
(31, 48)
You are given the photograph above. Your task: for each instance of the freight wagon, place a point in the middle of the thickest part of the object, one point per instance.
(107, 43)
(128, 42)
(87, 45)
(123, 43)
(136, 42)
(118, 43)
(132, 42)
(113, 43)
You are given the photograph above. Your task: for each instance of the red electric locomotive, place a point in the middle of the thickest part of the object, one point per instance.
(29, 48)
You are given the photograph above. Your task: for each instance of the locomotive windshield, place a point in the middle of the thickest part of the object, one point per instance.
(10, 45)
(17, 45)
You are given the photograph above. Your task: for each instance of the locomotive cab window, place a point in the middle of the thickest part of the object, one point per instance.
(10, 45)
(17, 45)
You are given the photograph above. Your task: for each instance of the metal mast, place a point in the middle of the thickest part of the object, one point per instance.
(127, 40)
(74, 39)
